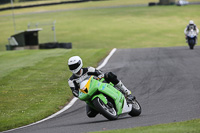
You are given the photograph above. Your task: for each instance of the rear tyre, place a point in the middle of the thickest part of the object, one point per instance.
(106, 110)
(136, 109)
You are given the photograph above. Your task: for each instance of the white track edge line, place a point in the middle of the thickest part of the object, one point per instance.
(107, 58)
(70, 103)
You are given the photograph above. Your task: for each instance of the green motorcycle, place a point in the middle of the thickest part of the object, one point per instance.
(105, 99)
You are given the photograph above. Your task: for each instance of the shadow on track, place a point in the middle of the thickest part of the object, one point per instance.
(92, 122)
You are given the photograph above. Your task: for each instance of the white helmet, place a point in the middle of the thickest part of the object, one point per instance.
(191, 22)
(75, 64)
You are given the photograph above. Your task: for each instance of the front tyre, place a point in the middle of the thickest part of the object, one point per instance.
(136, 109)
(191, 43)
(106, 110)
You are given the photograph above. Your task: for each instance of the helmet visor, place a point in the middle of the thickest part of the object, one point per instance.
(75, 66)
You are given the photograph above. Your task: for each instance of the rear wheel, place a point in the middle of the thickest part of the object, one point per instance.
(107, 110)
(136, 109)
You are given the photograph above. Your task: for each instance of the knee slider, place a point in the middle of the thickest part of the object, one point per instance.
(91, 112)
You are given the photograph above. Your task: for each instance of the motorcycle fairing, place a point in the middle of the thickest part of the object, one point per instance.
(87, 94)
(127, 107)
(116, 95)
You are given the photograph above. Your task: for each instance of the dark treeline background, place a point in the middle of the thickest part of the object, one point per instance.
(8, 1)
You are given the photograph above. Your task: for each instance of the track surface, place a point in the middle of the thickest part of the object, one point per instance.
(166, 82)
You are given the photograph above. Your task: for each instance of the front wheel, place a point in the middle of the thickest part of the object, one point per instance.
(136, 109)
(106, 110)
(191, 43)
(191, 46)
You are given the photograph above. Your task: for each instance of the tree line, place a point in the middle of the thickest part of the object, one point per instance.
(8, 1)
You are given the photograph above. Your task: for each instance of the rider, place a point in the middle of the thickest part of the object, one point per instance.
(190, 26)
(79, 74)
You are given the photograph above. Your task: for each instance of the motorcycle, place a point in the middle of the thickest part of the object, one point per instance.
(191, 38)
(105, 99)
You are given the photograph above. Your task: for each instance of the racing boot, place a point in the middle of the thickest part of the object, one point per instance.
(127, 93)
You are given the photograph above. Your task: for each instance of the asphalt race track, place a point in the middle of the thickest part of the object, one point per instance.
(166, 82)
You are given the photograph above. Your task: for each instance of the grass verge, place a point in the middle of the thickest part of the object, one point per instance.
(35, 85)
(191, 126)
(83, 4)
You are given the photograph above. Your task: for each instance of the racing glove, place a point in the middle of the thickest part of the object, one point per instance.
(101, 76)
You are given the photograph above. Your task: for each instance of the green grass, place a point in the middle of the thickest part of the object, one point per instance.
(192, 126)
(33, 83)
(125, 27)
(85, 4)
(88, 4)
(93, 3)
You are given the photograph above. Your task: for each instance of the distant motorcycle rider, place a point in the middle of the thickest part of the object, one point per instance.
(79, 74)
(189, 27)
